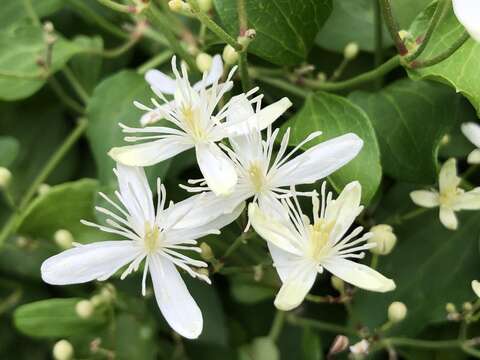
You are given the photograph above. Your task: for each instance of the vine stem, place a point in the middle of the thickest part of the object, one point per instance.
(243, 63)
(284, 85)
(277, 325)
(320, 325)
(392, 26)
(64, 98)
(117, 7)
(155, 61)
(52, 163)
(79, 89)
(378, 40)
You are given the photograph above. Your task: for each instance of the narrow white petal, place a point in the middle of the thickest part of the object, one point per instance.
(296, 287)
(468, 14)
(476, 287)
(88, 262)
(359, 275)
(239, 109)
(215, 73)
(472, 133)
(283, 261)
(448, 180)
(173, 298)
(469, 200)
(448, 218)
(149, 153)
(474, 157)
(319, 161)
(217, 169)
(162, 82)
(425, 198)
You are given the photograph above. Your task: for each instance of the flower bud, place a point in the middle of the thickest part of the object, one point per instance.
(43, 189)
(204, 62)
(340, 344)
(397, 311)
(63, 238)
(351, 51)
(257, 273)
(467, 306)
(384, 237)
(404, 35)
(247, 37)
(337, 283)
(84, 309)
(476, 287)
(322, 77)
(205, 5)
(22, 241)
(108, 293)
(360, 349)
(450, 308)
(5, 177)
(62, 350)
(178, 6)
(207, 253)
(96, 300)
(230, 55)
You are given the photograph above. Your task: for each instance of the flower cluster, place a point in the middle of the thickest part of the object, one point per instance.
(252, 167)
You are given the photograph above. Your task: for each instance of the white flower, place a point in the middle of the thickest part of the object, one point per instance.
(476, 287)
(266, 177)
(468, 14)
(450, 198)
(157, 236)
(195, 127)
(300, 249)
(472, 133)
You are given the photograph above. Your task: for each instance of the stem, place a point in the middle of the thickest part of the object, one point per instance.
(425, 344)
(209, 23)
(81, 92)
(27, 4)
(52, 163)
(320, 325)
(155, 61)
(119, 50)
(64, 98)
(374, 262)
(441, 57)
(392, 26)
(437, 15)
(243, 68)
(471, 351)
(378, 40)
(398, 219)
(242, 16)
(277, 325)
(340, 69)
(238, 241)
(282, 84)
(117, 7)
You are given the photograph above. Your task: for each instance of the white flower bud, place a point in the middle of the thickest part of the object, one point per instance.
(404, 35)
(205, 5)
(351, 51)
(467, 306)
(43, 189)
(322, 77)
(5, 177)
(108, 293)
(84, 309)
(96, 300)
(384, 237)
(450, 308)
(337, 283)
(207, 253)
(397, 311)
(476, 287)
(247, 37)
(340, 344)
(63, 238)
(230, 55)
(360, 348)
(62, 350)
(178, 6)
(204, 62)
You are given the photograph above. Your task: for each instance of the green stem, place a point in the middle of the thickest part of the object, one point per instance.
(471, 351)
(242, 16)
(424, 344)
(155, 61)
(320, 325)
(27, 4)
(399, 219)
(437, 15)
(209, 23)
(339, 70)
(378, 40)
(277, 325)
(243, 68)
(418, 64)
(284, 85)
(72, 79)
(392, 26)
(238, 241)
(120, 50)
(374, 262)
(118, 7)
(64, 98)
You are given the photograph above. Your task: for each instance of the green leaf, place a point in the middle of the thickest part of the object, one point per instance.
(62, 207)
(55, 318)
(14, 11)
(460, 70)
(112, 103)
(86, 67)
(430, 265)
(410, 119)
(20, 49)
(335, 116)
(135, 339)
(286, 29)
(9, 147)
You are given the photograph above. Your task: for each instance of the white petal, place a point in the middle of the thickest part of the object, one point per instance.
(476, 287)
(474, 157)
(472, 133)
(259, 120)
(448, 218)
(319, 161)
(448, 180)
(217, 169)
(283, 261)
(296, 287)
(425, 198)
(175, 302)
(359, 275)
(469, 200)
(468, 14)
(88, 262)
(271, 230)
(153, 116)
(215, 73)
(162, 82)
(149, 153)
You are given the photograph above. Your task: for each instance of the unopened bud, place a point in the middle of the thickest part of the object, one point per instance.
(63, 238)
(476, 287)
(384, 237)
(230, 55)
(445, 139)
(397, 311)
(467, 306)
(204, 62)
(48, 27)
(247, 37)
(351, 51)
(84, 309)
(360, 348)
(108, 293)
(257, 273)
(21, 241)
(5, 177)
(62, 350)
(404, 35)
(450, 308)
(207, 253)
(322, 77)
(205, 5)
(178, 6)
(340, 344)
(96, 300)
(337, 283)
(43, 189)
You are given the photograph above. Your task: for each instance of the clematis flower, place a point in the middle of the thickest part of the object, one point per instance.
(300, 249)
(472, 133)
(157, 237)
(468, 14)
(476, 287)
(195, 126)
(450, 198)
(267, 178)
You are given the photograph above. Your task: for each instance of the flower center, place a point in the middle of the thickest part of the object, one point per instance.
(191, 119)
(152, 239)
(257, 178)
(319, 235)
(446, 198)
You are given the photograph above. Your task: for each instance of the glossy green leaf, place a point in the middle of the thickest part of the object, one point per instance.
(112, 103)
(135, 338)
(20, 50)
(9, 147)
(460, 70)
(286, 29)
(14, 11)
(410, 119)
(335, 116)
(55, 318)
